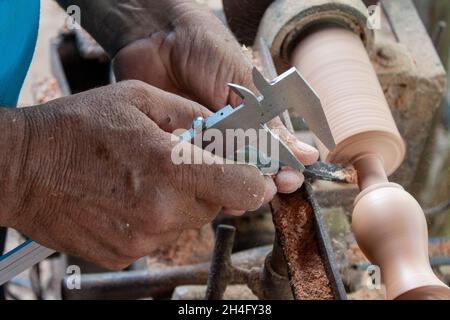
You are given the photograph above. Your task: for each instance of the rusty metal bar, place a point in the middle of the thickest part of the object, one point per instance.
(277, 261)
(135, 284)
(220, 271)
(155, 283)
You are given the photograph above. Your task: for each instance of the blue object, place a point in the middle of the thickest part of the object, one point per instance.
(19, 23)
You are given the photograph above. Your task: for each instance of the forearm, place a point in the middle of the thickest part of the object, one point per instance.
(116, 23)
(12, 144)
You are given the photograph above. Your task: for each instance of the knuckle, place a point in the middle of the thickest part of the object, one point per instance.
(136, 85)
(135, 90)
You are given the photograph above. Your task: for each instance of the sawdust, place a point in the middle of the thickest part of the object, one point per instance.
(193, 246)
(294, 216)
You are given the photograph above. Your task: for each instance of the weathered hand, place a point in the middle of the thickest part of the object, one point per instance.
(196, 59)
(91, 174)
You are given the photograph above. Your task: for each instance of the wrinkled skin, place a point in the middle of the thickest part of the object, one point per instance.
(91, 174)
(94, 176)
(196, 57)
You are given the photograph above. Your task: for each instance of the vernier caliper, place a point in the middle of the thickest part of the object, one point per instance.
(287, 91)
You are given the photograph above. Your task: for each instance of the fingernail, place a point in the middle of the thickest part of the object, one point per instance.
(289, 180)
(305, 153)
(304, 147)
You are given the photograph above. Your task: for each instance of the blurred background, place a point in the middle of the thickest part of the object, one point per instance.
(435, 15)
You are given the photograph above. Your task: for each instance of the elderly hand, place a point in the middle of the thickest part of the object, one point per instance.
(92, 174)
(196, 57)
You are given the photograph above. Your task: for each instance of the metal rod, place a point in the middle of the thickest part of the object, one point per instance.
(277, 260)
(438, 209)
(220, 271)
(155, 283)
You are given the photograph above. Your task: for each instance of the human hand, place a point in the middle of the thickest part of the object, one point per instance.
(196, 58)
(92, 174)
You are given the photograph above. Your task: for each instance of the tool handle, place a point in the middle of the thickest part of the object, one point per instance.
(21, 258)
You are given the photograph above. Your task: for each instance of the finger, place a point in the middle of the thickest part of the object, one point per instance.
(233, 186)
(289, 180)
(167, 110)
(270, 192)
(305, 153)
(243, 77)
(145, 50)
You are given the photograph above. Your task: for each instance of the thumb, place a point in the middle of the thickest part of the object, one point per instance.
(234, 186)
(225, 184)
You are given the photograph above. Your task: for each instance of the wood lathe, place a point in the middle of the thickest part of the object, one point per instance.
(329, 42)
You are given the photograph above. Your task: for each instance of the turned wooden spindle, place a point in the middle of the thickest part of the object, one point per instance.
(390, 228)
(388, 223)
